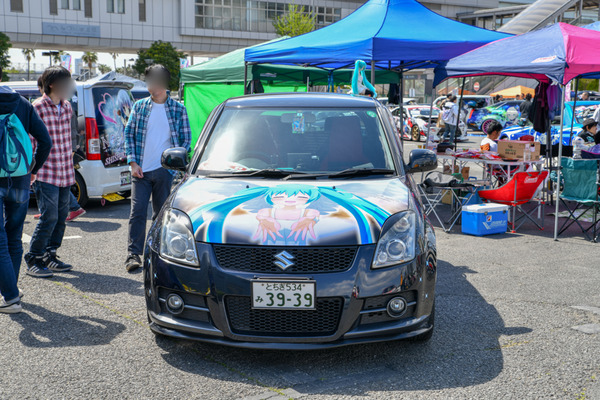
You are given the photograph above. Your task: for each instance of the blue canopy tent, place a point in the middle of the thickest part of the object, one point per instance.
(559, 52)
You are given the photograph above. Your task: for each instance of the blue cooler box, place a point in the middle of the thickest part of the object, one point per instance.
(484, 219)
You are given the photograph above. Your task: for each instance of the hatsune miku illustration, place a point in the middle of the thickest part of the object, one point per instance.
(288, 214)
(115, 113)
(360, 83)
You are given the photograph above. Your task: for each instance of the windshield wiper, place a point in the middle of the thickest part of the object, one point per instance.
(263, 173)
(350, 172)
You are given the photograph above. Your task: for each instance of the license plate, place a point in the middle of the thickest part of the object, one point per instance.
(283, 295)
(113, 197)
(125, 178)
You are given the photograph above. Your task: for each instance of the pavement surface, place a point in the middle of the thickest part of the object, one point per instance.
(517, 318)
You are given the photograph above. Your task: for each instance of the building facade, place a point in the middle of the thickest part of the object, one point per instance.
(198, 27)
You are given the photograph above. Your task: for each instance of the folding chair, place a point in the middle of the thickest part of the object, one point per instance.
(580, 181)
(520, 189)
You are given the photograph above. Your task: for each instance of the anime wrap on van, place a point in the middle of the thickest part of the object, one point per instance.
(289, 214)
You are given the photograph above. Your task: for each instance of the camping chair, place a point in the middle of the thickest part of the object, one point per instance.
(527, 138)
(580, 183)
(520, 189)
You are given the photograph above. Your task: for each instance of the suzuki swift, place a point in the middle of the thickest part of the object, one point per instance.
(297, 226)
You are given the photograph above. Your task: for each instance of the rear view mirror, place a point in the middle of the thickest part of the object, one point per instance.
(175, 158)
(288, 118)
(421, 160)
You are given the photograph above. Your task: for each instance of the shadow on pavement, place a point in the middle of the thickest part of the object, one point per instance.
(95, 226)
(465, 350)
(89, 282)
(43, 328)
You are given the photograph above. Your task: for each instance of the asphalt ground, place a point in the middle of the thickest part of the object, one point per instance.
(507, 309)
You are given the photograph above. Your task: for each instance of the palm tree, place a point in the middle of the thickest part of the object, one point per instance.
(29, 55)
(114, 57)
(89, 57)
(57, 57)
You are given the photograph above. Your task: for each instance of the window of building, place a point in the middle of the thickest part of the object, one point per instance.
(110, 6)
(327, 15)
(121, 6)
(16, 5)
(142, 10)
(87, 8)
(76, 4)
(64, 4)
(53, 7)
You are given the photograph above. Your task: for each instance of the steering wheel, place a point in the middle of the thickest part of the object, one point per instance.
(255, 155)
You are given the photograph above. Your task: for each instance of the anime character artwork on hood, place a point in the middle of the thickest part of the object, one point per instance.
(360, 83)
(289, 214)
(112, 114)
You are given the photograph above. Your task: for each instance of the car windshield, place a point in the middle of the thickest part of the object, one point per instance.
(424, 111)
(584, 112)
(310, 141)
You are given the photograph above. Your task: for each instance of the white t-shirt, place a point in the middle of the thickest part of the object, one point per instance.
(450, 114)
(493, 144)
(158, 138)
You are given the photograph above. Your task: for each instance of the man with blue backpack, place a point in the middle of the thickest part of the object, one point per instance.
(18, 120)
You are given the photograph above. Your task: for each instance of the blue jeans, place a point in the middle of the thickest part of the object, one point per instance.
(157, 184)
(14, 202)
(73, 204)
(53, 203)
(450, 129)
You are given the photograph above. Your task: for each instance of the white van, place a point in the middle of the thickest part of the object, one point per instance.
(102, 109)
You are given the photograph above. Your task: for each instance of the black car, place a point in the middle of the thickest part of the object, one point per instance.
(297, 226)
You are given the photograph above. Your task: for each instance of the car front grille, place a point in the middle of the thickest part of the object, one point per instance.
(305, 259)
(323, 321)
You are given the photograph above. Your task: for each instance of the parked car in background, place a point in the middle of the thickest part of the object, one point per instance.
(583, 111)
(507, 113)
(297, 226)
(477, 101)
(101, 110)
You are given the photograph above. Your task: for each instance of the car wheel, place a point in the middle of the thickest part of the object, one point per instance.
(126, 194)
(79, 190)
(415, 133)
(424, 337)
(485, 124)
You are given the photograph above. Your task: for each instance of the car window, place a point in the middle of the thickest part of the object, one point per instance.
(306, 140)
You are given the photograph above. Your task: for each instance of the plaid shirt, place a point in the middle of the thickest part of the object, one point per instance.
(58, 169)
(137, 127)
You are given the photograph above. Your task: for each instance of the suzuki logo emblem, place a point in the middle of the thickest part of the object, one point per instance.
(284, 260)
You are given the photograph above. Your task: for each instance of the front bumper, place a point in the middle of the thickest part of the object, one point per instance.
(360, 292)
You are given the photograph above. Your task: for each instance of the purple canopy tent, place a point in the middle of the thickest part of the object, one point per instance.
(560, 53)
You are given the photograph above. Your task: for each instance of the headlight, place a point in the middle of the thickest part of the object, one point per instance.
(397, 244)
(177, 241)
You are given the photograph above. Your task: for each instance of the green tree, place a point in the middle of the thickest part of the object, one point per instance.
(161, 53)
(103, 68)
(4, 56)
(89, 58)
(29, 55)
(296, 21)
(57, 57)
(114, 57)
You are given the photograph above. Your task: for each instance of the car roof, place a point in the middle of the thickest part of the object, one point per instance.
(283, 100)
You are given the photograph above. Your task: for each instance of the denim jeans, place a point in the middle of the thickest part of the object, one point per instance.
(157, 184)
(14, 202)
(53, 203)
(73, 204)
(450, 129)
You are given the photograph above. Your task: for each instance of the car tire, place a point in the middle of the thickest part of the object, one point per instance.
(415, 133)
(79, 189)
(485, 124)
(424, 337)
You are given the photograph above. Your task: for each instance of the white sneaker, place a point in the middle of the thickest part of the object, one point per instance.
(12, 308)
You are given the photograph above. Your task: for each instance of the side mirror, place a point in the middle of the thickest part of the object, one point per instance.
(421, 160)
(175, 158)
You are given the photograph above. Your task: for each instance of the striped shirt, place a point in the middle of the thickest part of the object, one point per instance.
(58, 169)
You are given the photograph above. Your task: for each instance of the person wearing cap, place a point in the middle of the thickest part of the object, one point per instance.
(589, 131)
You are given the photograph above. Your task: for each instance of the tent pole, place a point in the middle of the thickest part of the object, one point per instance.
(573, 117)
(245, 76)
(401, 104)
(373, 73)
(558, 169)
(462, 92)
(430, 114)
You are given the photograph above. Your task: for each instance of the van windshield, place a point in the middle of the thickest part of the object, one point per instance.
(305, 140)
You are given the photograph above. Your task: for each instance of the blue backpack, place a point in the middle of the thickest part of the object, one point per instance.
(16, 152)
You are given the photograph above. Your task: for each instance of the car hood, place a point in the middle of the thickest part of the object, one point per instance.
(267, 212)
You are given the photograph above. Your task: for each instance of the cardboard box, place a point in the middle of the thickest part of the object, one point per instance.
(464, 171)
(515, 149)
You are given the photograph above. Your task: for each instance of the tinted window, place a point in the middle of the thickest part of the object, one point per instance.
(112, 107)
(308, 140)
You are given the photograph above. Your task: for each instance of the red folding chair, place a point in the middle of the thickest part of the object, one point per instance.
(527, 138)
(519, 190)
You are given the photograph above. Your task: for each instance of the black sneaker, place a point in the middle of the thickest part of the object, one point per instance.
(54, 264)
(36, 267)
(132, 262)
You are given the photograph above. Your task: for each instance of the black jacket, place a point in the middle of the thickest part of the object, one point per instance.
(11, 102)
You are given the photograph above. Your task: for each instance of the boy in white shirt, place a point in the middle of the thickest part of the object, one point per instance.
(489, 143)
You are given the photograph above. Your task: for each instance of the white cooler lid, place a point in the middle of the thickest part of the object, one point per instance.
(485, 207)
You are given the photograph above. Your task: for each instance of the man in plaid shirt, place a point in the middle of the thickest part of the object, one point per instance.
(155, 124)
(52, 184)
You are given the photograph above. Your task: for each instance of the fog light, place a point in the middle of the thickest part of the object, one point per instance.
(396, 307)
(174, 304)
